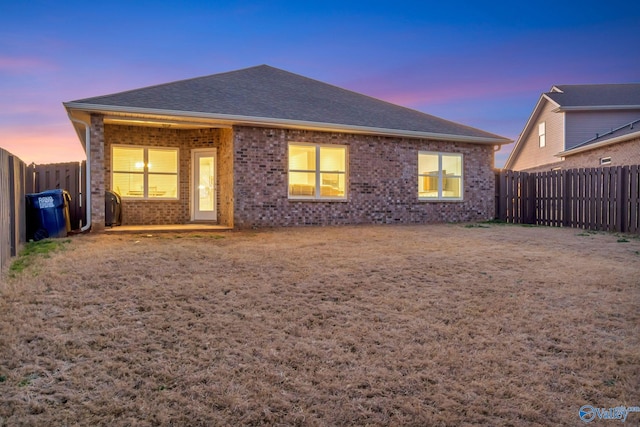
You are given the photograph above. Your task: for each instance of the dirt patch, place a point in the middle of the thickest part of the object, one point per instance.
(388, 325)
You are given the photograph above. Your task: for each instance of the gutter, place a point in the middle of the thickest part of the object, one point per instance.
(87, 150)
(596, 107)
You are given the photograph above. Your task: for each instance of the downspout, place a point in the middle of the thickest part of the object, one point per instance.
(87, 149)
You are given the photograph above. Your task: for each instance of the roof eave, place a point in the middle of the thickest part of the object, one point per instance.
(267, 121)
(600, 144)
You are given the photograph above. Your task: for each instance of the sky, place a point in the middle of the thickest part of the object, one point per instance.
(482, 64)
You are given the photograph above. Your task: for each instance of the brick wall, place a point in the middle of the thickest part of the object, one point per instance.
(622, 154)
(252, 178)
(169, 211)
(382, 181)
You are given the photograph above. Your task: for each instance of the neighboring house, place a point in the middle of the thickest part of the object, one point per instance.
(263, 147)
(580, 126)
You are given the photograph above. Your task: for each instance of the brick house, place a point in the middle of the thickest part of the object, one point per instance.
(580, 126)
(263, 147)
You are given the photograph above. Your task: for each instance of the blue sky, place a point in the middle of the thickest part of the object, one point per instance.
(483, 64)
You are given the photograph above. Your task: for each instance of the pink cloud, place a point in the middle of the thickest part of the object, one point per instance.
(416, 90)
(42, 144)
(29, 112)
(15, 64)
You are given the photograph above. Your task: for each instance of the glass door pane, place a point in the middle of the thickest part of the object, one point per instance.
(204, 186)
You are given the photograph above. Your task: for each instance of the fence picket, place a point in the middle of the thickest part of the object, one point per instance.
(5, 245)
(567, 178)
(582, 205)
(623, 196)
(548, 207)
(612, 222)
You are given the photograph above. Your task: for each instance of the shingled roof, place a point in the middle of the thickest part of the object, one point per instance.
(600, 96)
(267, 95)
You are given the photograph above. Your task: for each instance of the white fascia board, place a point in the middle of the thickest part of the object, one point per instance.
(228, 119)
(600, 144)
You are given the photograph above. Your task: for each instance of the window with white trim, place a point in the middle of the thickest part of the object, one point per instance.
(317, 171)
(144, 172)
(605, 160)
(440, 176)
(542, 134)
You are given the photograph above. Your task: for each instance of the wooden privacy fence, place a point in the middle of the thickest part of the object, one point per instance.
(12, 206)
(605, 199)
(61, 176)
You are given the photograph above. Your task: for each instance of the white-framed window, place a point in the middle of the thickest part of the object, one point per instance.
(317, 171)
(440, 176)
(605, 160)
(144, 172)
(542, 134)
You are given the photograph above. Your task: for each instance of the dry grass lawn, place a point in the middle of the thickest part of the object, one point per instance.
(384, 325)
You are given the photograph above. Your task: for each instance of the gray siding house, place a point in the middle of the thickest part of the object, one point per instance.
(580, 126)
(263, 147)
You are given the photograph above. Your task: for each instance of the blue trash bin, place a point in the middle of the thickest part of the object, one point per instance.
(48, 214)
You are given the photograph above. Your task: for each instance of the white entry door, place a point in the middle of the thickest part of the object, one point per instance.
(204, 185)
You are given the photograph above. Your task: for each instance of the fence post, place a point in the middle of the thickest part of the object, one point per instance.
(12, 207)
(5, 208)
(496, 194)
(533, 198)
(565, 179)
(502, 198)
(19, 222)
(519, 194)
(622, 198)
(633, 214)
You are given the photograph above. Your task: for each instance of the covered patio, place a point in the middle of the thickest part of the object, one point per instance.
(167, 228)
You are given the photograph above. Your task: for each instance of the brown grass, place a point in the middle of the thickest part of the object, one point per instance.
(391, 325)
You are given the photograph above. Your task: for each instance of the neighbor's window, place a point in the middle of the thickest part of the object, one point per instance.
(144, 172)
(605, 160)
(542, 134)
(439, 176)
(317, 171)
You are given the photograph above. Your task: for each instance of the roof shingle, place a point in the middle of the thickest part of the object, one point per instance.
(267, 92)
(599, 95)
